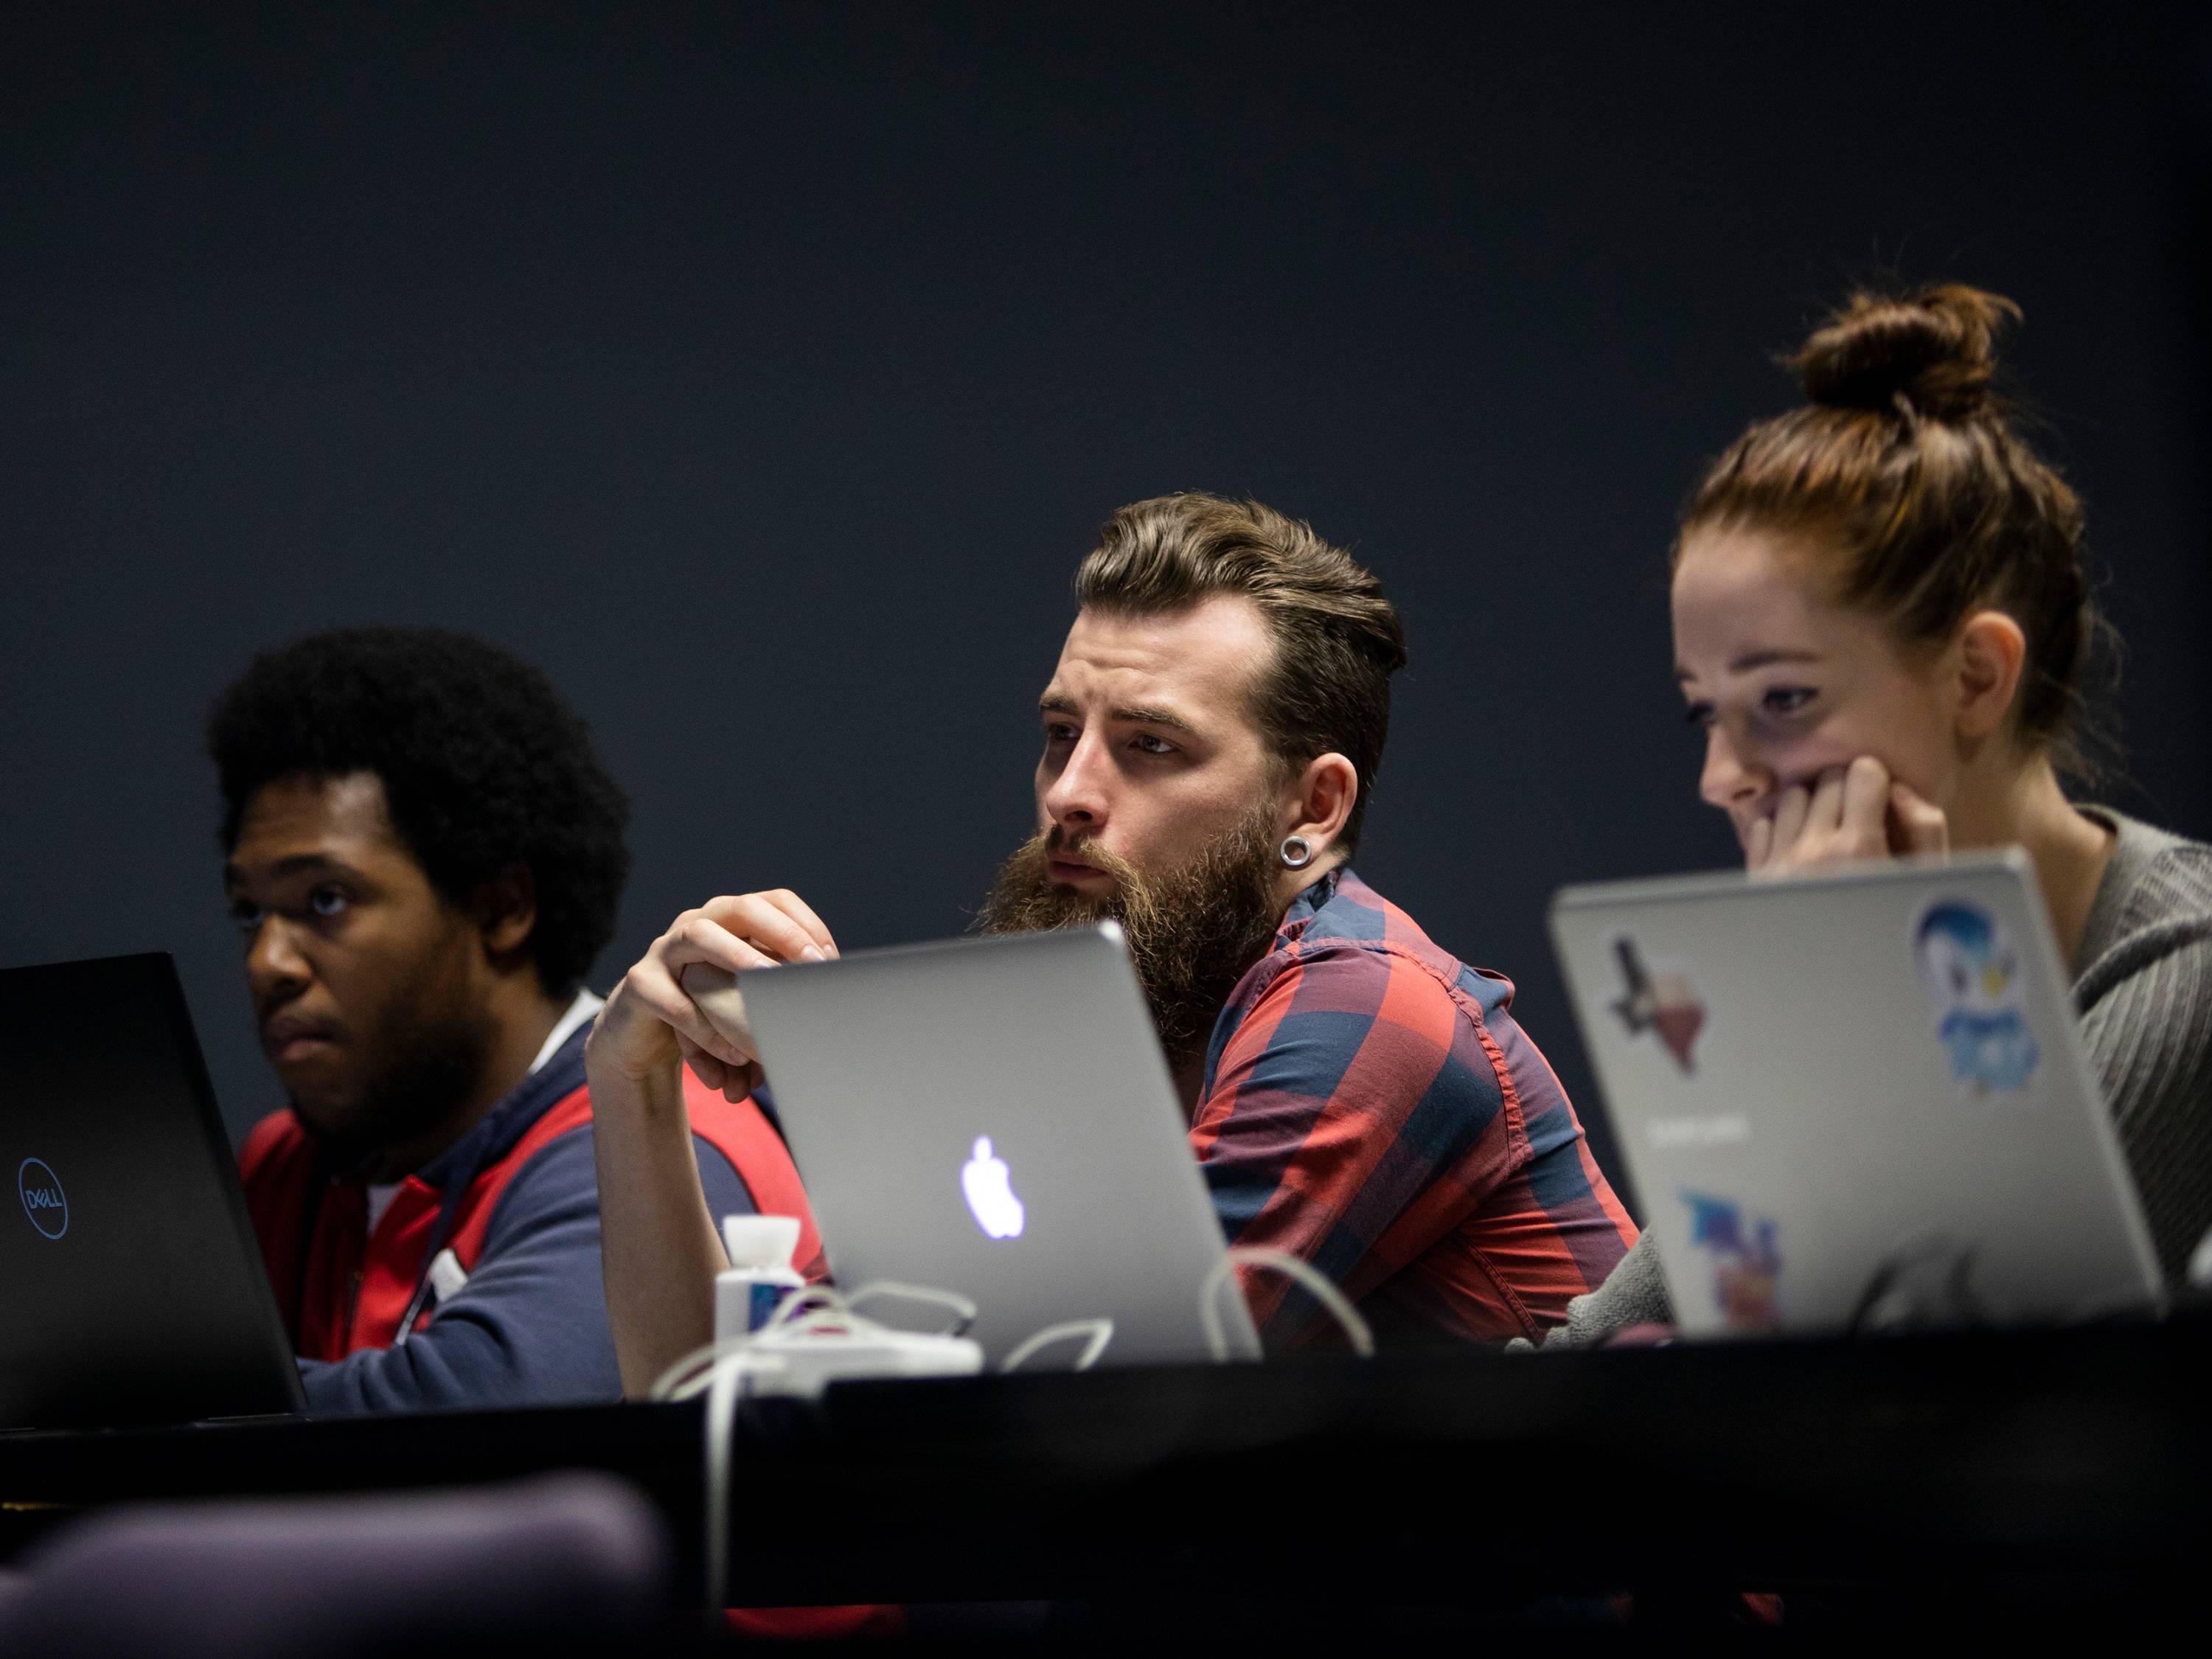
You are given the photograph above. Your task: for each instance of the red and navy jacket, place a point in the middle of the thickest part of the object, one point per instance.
(1371, 1105)
(517, 1315)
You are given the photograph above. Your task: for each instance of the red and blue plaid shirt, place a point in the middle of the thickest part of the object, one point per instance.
(1369, 1105)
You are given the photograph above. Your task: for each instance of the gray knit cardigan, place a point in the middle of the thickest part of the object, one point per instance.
(2142, 986)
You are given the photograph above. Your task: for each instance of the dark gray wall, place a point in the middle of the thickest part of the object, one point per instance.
(763, 374)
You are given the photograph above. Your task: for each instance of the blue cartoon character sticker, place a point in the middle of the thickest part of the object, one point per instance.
(1975, 981)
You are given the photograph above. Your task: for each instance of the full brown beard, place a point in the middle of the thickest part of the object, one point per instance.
(1193, 931)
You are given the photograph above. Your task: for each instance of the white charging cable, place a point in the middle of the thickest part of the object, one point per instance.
(722, 1370)
(806, 1323)
(1099, 1331)
(819, 1318)
(1303, 1273)
(729, 1378)
(964, 1310)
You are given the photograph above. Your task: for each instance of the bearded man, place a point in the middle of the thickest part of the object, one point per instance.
(1357, 1095)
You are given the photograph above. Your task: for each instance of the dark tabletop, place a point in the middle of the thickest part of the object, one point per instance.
(1922, 1465)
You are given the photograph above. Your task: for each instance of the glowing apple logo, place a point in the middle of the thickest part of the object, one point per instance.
(984, 1182)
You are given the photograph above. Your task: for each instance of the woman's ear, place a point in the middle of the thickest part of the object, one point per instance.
(1992, 654)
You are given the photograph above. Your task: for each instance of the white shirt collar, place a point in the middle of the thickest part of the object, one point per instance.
(582, 1010)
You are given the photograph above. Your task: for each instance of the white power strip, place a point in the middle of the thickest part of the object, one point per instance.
(802, 1368)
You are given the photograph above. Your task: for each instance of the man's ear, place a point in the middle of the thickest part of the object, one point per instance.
(506, 910)
(1322, 799)
(1992, 654)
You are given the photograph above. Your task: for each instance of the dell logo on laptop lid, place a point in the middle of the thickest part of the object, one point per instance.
(44, 1201)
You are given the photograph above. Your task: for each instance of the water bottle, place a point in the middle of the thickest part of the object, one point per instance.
(760, 1273)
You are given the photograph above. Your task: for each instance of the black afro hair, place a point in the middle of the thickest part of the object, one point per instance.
(483, 767)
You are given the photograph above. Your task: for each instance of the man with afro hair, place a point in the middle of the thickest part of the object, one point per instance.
(423, 857)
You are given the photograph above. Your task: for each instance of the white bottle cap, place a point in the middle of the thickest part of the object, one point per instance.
(760, 1241)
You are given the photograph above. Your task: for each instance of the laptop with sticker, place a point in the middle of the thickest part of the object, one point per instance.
(1856, 1099)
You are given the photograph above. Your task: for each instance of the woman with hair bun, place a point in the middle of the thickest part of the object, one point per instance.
(1883, 622)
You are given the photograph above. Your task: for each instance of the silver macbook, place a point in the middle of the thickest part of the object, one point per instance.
(1856, 1100)
(994, 1117)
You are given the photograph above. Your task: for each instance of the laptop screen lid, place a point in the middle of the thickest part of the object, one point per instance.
(136, 1290)
(1854, 1097)
(994, 1117)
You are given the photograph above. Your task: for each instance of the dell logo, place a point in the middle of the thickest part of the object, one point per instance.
(44, 1201)
(43, 1197)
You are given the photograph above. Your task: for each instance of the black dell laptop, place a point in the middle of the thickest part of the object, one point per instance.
(132, 1289)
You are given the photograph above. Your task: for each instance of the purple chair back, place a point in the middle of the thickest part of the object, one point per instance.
(558, 1560)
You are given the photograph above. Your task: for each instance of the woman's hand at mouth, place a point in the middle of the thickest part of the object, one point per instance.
(1848, 815)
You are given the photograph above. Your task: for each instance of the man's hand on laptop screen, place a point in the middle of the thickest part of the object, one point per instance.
(682, 999)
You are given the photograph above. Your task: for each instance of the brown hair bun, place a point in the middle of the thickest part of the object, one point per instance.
(1935, 350)
(1905, 472)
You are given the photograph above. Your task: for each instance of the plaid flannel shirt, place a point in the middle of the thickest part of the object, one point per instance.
(1369, 1105)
